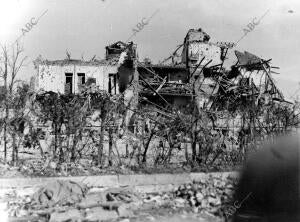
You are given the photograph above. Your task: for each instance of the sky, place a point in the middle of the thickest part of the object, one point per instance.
(85, 27)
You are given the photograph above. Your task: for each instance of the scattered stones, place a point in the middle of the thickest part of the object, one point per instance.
(99, 214)
(70, 215)
(125, 211)
(92, 199)
(179, 202)
(150, 218)
(59, 193)
(154, 199)
(199, 197)
(206, 196)
(203, 197)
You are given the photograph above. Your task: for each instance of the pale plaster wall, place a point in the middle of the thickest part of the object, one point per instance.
(52, 77)
(210, 51)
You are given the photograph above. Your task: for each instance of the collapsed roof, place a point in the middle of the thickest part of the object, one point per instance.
(202, 63)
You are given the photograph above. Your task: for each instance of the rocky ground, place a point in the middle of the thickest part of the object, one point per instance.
(59, 201)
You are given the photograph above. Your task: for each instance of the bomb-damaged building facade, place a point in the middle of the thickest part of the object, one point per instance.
(194, 75)
(239, 100)
(68, 76)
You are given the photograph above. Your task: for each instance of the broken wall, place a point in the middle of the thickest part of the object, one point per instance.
(172, 74)
(197, 46)
(199, 50)
(52, 77)
(131, 94)
(126, 74)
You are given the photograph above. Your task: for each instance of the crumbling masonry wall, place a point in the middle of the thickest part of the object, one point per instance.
(52, 77)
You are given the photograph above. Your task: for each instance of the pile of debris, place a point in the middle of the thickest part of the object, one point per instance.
(69, 201)
(211, 196)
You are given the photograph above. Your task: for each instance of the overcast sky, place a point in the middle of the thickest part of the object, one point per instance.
(85, 27)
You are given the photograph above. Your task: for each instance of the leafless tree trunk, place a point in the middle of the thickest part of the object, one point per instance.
(10, 65)
(186, 153)
(100, 148)
(171, 142)
(126, 151)
(152, 133)
(4, 76)
(110, 143)
(14, 149)
(61, 151)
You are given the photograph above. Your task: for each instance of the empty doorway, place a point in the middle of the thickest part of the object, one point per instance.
(69, 83)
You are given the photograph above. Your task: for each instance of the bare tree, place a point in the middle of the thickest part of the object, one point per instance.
(11, 61)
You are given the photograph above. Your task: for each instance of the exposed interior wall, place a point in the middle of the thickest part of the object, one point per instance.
(171, 75)
(131, 94)
(126, 73)
(178, 76)
(198, 50)
(181, 101)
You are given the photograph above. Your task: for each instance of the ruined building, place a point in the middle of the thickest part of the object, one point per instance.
(241, 101)
(193, 74)
(171, 82)
(202, 72)
(70, 75)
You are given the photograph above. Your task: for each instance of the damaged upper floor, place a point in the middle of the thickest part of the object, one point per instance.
(70, 76)
(194, 70)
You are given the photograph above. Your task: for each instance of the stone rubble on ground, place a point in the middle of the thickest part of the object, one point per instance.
(69, 201)
(211, 196)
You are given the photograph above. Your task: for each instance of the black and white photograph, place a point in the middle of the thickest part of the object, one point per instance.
(149, 111)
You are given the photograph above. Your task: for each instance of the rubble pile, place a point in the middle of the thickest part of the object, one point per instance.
(69, 201)
(211, 196)
(58, 193)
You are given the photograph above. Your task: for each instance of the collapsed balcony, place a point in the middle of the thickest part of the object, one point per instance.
(163, 84)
